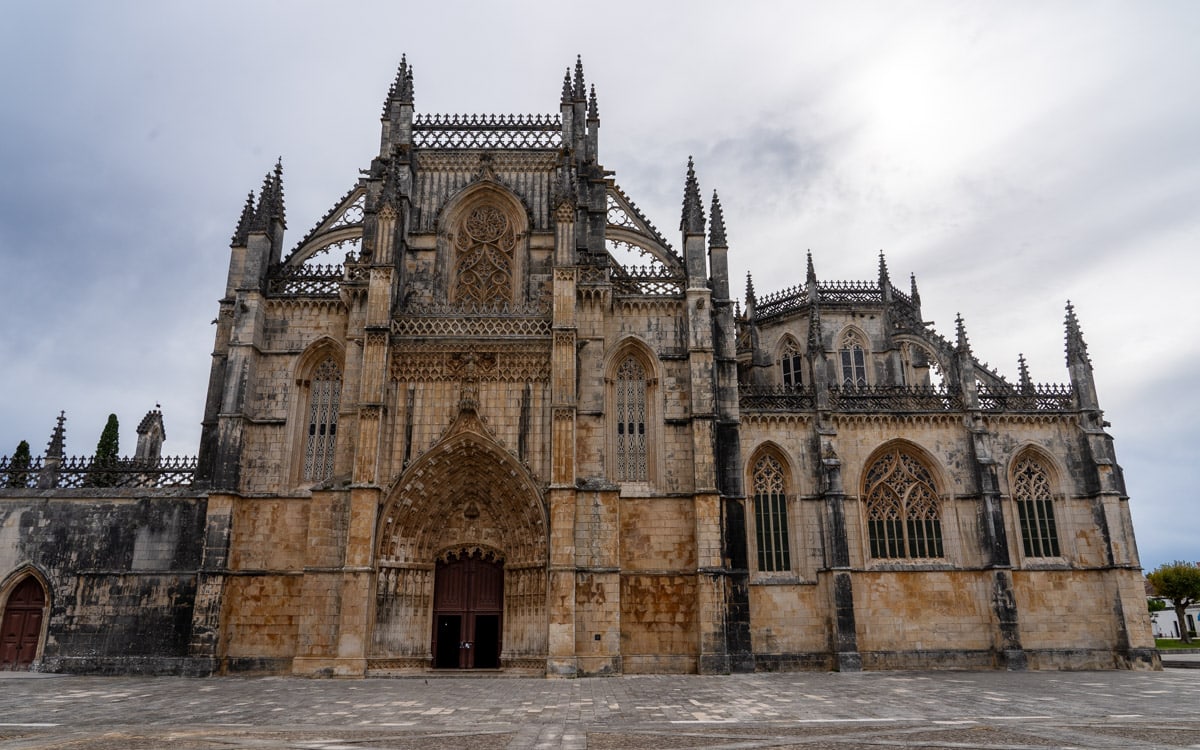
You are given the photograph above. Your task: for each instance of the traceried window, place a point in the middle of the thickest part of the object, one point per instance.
(631, 421)
(854, 360)
(903, 519)
(1035, 508)
(324, 396)
(484, 244)
(789, 363)
(770, 515)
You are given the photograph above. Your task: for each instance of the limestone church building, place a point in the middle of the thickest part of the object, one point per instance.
(452, 426)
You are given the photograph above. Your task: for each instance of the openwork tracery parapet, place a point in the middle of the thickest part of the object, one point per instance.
(515, 363)
(487, 131)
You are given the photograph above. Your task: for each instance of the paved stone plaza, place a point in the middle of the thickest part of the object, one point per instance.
(1115, 709)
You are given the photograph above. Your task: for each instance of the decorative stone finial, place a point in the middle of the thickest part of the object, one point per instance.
(580, 91)
(716, 231)
(58, 438)
(916, 296)
(884, 278)
(406, 90)
(750, 300)
(1076, 346)
(244, 222)
(964, 344)
(1023, 370)
(397, 84)
(566, 90)
(811, 276)
(593, 108)
(692, 221)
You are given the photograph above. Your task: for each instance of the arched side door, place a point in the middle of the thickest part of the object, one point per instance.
(21, 627)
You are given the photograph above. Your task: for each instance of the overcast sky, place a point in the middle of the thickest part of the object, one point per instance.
(1012, 154)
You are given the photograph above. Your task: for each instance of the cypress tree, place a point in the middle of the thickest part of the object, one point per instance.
(107, 455)
(18, 466)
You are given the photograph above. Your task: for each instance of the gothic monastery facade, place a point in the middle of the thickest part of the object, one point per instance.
(452, 428)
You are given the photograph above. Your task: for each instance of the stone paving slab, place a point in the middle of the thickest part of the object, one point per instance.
(994, 710)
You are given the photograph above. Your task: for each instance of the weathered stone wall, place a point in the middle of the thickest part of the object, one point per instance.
(121, 572)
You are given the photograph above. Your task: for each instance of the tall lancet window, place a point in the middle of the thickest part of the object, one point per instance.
(789, 363)
(1035, 508)
(324, 396)
(903, 519)
(483, 273)
(854, 360)
(631, 421)
(770, 515)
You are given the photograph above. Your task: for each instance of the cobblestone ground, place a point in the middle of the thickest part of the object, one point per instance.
(817, 711)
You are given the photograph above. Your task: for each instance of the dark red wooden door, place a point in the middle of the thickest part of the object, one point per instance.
(21, 627)
(468, 601)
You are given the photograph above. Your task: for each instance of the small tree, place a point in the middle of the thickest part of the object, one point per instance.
(1178, 582)
(18, 466)
(107, 454)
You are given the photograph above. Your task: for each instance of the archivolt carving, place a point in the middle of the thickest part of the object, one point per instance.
(517, 363)
(466, 491)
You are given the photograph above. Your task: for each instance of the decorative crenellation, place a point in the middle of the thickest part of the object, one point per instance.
(516, 363)
(309, 280)
(892, 398)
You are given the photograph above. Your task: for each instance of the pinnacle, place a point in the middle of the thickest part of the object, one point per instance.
(916, 296)
(1023, 369)
(579, 93)
(593, 109)
(884, 278)
(243, 225)
(749, 288)
(1076, 346)
(811, 276)
(964, 344)
(566, 89)
(397, 86)
(692, 221)
(58, 438)
(716, 232)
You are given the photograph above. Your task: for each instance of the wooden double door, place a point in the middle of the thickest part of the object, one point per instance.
(468, 608)
(21, 626)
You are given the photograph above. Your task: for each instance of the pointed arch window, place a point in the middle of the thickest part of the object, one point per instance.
(631, 421)
(1035, 508)
(789, 364)
(483, 272)
(903, 518)
(771, 516)
(320, 443)
(854, 360)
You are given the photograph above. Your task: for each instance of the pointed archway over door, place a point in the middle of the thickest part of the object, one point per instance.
(21, 626)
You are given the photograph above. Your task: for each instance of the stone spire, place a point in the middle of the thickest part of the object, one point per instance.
(579, 92)
(885, 280)
(566, 89)
(692, 221)
(960, 328)
(811, 275)
(593, 112)
(58, 438)
(916, 296)
(270, 201)
(397, 84)
(718, 251)
(750, 298)
(244, 222)
(406, 89)
(716, 230)
(1076, 346)
(1023, 370)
